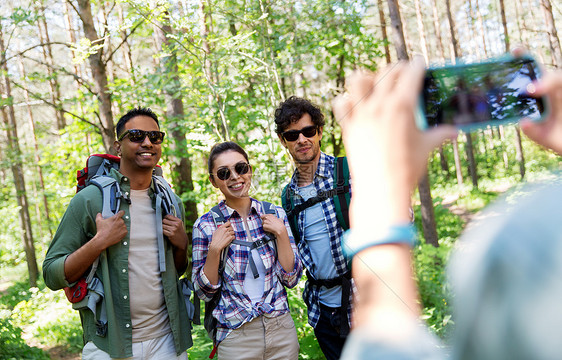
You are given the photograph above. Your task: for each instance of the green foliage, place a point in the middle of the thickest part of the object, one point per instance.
(45, 315)
(430, 265)
(13, 347)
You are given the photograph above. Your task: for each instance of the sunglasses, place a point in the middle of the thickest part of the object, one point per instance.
(293, 135)
(240, 168)
(137, 136)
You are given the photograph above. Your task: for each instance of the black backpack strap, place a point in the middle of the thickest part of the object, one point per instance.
(345, 282)
(342, 198)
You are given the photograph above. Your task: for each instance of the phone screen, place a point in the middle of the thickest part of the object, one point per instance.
(480, 94)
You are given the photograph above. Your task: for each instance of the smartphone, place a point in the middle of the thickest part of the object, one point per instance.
(473, 96)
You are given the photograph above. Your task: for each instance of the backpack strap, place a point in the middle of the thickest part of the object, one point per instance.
(288, 203)
(342, 198)
(345, 282)
(340, 193)
(110, 193)
(166, 203)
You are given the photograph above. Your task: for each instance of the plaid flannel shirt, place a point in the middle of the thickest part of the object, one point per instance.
(235, 307)
(323, 180)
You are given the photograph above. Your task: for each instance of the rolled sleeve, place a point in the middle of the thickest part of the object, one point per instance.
(289, 279)
(75, 229)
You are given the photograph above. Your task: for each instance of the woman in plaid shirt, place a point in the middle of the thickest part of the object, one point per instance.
(253, 315)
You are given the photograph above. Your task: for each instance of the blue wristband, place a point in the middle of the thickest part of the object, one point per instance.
(397, 234)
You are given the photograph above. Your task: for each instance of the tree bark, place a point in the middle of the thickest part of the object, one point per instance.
(424, 188)
(382, 20)
(421, 31)
(398, 32)
(553, 38)
(437, 27)
(427, 212)
(482, 28)
(471, 161)
(48, 58)
(16, 166)
(99, 73)
(504, 24)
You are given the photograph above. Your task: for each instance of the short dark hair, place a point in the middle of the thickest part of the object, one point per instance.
(139, 111)
(292, 109)
(220, 148)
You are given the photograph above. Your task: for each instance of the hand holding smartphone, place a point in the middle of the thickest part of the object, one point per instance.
(478, 95)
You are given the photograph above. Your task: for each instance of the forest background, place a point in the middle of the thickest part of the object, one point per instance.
(216, 71)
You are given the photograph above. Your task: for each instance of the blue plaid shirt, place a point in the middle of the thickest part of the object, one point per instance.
(323, 180)
(235, 307)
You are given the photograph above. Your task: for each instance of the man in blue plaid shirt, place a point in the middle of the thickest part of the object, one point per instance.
(299, 125)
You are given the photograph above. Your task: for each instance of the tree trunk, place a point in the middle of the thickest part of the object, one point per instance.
(126, 48)
(382, 20)
(427, 212)
(99, 74)
(37, 156)
(552, 33)
(457, 158)
(504, 24)
(205, 18)
(454, 41)
(14, 153)
(181, 168)
(443, 161)
(437, 27)
(471, 162)
(519, 152)
(482, 28)
(424, 188)
(398, 32)
(421, 32)
(48, 58)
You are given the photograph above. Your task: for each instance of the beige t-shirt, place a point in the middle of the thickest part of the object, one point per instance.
(149, 314)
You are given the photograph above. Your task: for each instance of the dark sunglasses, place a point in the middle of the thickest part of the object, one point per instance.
(137, 136)
(293, 135)
(240, 168)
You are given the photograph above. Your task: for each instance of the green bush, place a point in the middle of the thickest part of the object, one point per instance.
(13, 347)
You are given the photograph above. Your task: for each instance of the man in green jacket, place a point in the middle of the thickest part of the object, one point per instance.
(146, 312)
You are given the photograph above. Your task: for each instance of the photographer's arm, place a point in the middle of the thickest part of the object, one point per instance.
(387, 156)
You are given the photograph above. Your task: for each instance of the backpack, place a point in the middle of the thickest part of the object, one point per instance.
(340, 193)
(210, 322)
(96, 172)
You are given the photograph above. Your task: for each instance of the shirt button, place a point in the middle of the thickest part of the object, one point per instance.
(124, 270)
(127, 325)
(125, 297)
(125, 179)
(125, 243)
(127, 193)
(127, 217)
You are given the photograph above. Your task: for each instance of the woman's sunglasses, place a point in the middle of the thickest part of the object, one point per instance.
(137, 136)
(240, 168)
(293, 135)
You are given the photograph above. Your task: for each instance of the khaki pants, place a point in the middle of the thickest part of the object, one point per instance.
(161, 348)
(262, 338)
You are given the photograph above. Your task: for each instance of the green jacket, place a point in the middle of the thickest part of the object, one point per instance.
(77, 226)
